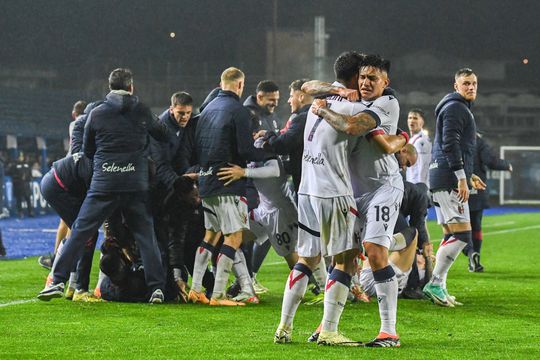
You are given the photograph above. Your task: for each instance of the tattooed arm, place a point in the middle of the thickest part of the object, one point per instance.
(317, 88)
(389, 144)
(353, 125)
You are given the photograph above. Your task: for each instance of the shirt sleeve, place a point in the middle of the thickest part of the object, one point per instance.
(270, 169)
(386, 110)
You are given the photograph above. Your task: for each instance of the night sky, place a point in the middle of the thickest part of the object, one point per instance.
(62, 34)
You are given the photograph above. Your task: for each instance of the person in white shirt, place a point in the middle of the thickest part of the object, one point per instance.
(419, 173)
(377, 184)
(326, 209)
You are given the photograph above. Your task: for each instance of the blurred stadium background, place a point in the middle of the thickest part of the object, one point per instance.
(53, 54)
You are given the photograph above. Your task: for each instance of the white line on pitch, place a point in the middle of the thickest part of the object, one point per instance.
(511, 230)
(502, 231)
(500, 224)
(276, 263)
(17, 302)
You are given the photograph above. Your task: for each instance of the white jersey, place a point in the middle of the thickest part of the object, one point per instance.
(325, 161)
(419, 173)
(370, 167)
(274, 192)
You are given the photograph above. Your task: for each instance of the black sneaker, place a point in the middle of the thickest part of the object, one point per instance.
(384, 342)
(157, 297)
(45, 261)
(474, 263)
(52, 291)
(313, 337)
(412, 293)
(234, 289)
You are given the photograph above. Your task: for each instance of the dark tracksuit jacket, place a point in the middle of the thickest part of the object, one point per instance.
(484, 160)
(291, 142)
(224, 136)
(454, 144)
(77, 134)
(64, 187)
(116, 138)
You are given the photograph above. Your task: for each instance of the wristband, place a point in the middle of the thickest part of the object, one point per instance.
(460, 174)
(404, 134)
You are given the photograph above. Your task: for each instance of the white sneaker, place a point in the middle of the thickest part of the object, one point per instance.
(283, 335)
(258, 287)
(452, 299)
(247, 298)
(334, 338)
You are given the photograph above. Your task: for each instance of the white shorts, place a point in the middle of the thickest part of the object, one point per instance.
(379, 211)
(279, 225)
(326, 225)
(225, 213)
(449, 209)
(367, 282)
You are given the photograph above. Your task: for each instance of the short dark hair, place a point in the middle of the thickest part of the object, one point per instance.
(419, 112)
(181, 98)
(296, 85)
(464, 72)
(267, 86)
(346, 65)
(120, 79)
(377, 62)
(78, 107)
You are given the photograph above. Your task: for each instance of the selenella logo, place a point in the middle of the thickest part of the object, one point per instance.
(113, 168)
(315, 160)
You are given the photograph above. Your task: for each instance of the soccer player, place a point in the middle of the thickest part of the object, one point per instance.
(223, 137)
(420, 171)
(275, 219)
(377, 183)
(290, 140)
(326, 209)
(263, 105)
(116, 137)
(484, 159)
(450, 171)
(170, 161)
(65, 187)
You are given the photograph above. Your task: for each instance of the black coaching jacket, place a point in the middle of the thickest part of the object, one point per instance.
(454, 144)
(116, 138)
(223, 137)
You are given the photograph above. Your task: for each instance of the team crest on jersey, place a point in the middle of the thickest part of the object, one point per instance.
(461, 209)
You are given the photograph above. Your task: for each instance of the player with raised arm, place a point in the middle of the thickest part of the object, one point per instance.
(377, 183)
(326, 210)
(276, 217)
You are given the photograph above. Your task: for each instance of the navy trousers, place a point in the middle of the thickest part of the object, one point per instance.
(96, 208)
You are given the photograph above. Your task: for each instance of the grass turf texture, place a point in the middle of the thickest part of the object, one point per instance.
(500, 318)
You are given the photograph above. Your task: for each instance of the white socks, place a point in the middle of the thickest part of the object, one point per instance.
(386, 287)
(446, 255)
(335, 297)
(203, 255)
(295, 288)
(241, 272)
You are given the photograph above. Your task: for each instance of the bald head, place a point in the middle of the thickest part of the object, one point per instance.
(407, 156)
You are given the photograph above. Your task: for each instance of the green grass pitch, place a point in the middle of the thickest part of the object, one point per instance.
(500, 318)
